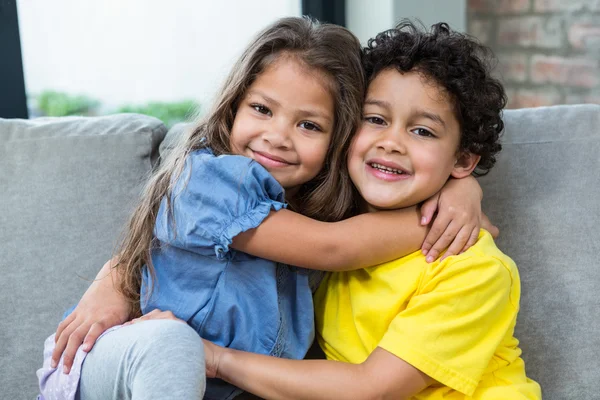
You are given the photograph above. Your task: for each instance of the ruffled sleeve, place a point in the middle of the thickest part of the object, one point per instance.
(215, 199)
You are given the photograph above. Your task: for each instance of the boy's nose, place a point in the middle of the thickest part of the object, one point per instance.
(392, 142)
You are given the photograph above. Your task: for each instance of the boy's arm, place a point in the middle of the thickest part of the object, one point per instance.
(382, 375)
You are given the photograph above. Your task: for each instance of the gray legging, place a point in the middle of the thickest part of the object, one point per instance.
(156, 359)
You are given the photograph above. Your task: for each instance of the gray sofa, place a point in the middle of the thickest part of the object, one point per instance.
(67, 185)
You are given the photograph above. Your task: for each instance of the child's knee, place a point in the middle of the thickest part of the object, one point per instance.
(172, 339)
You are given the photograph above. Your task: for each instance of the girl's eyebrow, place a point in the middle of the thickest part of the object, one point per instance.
(314, 113)
(305, 113)
(265, 97)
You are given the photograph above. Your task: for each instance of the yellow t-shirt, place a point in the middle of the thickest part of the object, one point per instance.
(453, 320)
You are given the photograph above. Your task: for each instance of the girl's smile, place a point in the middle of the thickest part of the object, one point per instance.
(270, 160)
(285, 121)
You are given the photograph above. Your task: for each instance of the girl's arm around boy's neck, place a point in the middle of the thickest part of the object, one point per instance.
(358, 242)
(373, 238)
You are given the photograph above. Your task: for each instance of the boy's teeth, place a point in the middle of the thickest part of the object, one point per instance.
(386, 169)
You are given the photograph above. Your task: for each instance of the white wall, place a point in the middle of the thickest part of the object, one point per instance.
(366, 18)
(134, 51)
(454, 12)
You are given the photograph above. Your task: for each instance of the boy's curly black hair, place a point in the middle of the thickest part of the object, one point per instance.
(460, 65)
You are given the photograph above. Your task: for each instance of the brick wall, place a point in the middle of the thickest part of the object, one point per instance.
(548, 50)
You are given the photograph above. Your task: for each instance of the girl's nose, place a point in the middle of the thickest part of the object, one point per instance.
(278, 135)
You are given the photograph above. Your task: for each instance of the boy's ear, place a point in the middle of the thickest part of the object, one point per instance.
(465, 164)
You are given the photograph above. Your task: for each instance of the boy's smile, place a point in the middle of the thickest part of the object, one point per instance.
(407, 146)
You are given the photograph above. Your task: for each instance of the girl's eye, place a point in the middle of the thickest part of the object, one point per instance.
(423, 132)
(310, 126)
(375, 120)
(261, 109)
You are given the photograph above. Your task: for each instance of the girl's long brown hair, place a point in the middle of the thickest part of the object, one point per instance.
(328, 49)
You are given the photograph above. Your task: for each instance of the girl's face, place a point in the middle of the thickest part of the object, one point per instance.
(407, 145)
(285, 122)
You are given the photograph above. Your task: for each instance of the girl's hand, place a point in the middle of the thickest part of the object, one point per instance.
(459, 218)
(100, 308)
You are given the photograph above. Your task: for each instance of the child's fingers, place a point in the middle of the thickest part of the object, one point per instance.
(488, 226)
(440, 224)
(472, 239)
(494, 231)
(459, 242)
(63, 325)
(446, 238)
(61, 342)
(428, 209)
(90, 339)
(75, 340)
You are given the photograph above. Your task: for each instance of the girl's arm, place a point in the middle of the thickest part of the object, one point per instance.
(367, 239)
(100, 308)
(381, 376)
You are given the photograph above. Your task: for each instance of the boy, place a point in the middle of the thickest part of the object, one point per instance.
(409, 329)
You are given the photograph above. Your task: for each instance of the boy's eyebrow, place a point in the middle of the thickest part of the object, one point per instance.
(379, 103)
(418, 113)
(305, 113)
(432, 116)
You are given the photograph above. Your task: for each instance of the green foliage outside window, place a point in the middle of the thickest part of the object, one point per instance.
(169, 113)
(57, 104)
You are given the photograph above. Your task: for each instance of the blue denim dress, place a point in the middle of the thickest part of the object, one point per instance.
(229, 297)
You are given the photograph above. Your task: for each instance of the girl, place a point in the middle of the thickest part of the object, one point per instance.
(408, 329)
(206, 238)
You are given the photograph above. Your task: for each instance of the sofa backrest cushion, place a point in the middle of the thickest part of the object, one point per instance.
(68, 186)
(544, 196)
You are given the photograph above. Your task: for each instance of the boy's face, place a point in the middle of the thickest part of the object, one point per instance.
(407, 145)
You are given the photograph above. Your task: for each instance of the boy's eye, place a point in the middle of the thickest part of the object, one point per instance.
(261, 109)
(310, 126)
(423, 132)
(375, 120)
